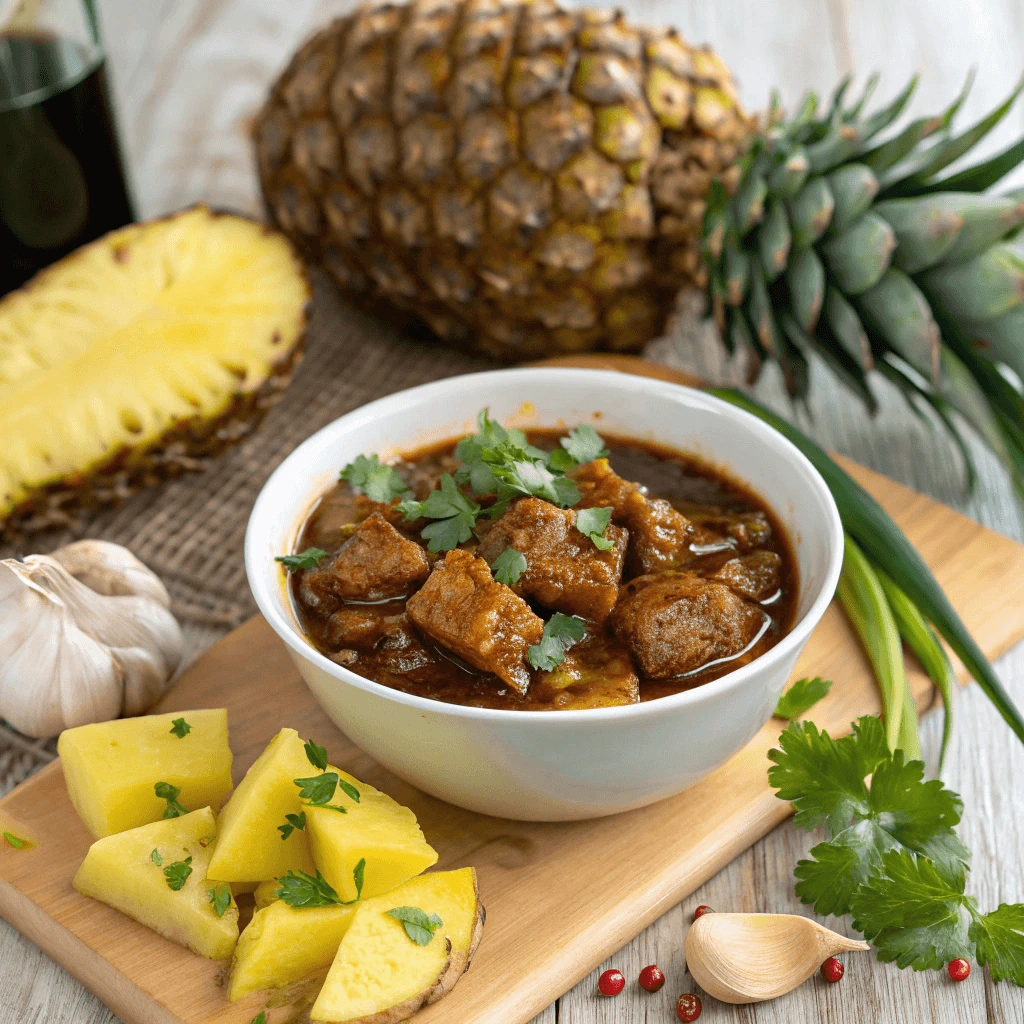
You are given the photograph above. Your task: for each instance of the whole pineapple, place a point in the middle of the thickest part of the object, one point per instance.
(524, 179)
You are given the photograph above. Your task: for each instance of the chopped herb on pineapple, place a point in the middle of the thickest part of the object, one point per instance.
(16, 841)
(220, 899)
(308, 559)
(316, 755)
(592, 523)
(348, 789)
(300, 889)
(509, 566)
(177, 873)
(156, 858)
(165, 791)
(366, 475)
(418, 926)
(560, 633)
(180, 728)
(318, 789)
(292, 822)
(802, 696)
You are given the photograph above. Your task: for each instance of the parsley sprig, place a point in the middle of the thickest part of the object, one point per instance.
(291, 823)
(177, 873)
(318, 790)
(180, 728)
(220, 899)
(801, 697)
(165, 791)
(508, 567)
(419, 926)
(892, 858)
(300, 889)
(593, 523)
(367, 475)
(453, 513)
(308, 559)
(560, 633)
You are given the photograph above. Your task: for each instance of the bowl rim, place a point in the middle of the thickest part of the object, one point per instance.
(261, 585)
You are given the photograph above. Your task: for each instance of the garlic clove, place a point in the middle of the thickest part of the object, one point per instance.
(111, 570)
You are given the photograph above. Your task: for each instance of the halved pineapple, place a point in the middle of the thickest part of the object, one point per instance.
(140, 355)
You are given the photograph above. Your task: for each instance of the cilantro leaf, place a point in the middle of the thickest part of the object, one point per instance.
(348, 789)
(560, 633)
(15, 841)
(455, 515)
(177, 873)
(299, 889)
(418, 926)
(508, 567)
(560, 461)
(180, 728)
(292, 822)
(366, 475)
(316, 755)
(220, 899)
(165, 791)
(801, 697)
(592, 523)
(308, 559)
(584, 444)
(156, 858)
(318, 789)
(999, 941)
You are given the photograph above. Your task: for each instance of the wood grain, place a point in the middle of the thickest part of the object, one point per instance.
(560, 897)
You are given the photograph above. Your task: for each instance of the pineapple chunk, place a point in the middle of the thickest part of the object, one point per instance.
(111, 767)
(380, 974)
(250, 847)
(123, 871)
(175, 333)
(378, 830)
(283, 944)
(263, 894)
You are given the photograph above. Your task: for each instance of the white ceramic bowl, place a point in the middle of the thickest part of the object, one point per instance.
(558, 765)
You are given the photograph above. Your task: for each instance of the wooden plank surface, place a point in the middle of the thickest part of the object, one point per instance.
(189, 73)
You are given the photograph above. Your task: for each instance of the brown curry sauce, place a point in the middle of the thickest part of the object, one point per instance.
(701, 492)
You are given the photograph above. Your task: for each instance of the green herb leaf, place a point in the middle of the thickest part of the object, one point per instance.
(308, 559)
(592, 523)
(584, 444)
(316, 755)
(177, 873)
(220, 899)
(292, 822)
(260, 1018)
(180, 728)
(560, 633)
(358, 876)
(15, 841)
(378, 482)
(299, 889)
(455, 515)
(999, 941)
(156, 858)
(802, 696)
(348, 789)
(418, 926)
(318, 789)
(508, 567)
(165, 791)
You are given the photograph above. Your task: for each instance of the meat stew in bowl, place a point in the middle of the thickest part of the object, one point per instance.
(539, 572)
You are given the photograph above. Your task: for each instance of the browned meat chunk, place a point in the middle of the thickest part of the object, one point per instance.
(564, 569)
(755, 577)
(746, 530)
(483, 622)
(659, 535)
(675, 623)
(597, 673)
(363, 626)
(375, 563)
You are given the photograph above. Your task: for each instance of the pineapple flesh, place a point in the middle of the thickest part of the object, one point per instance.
(523, 179)
(140, 356)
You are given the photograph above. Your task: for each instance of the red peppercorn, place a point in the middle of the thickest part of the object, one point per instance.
(701, 911)
(832, 969)
(959, 969)
(611, 983)
(651, 978)
(688, 1008)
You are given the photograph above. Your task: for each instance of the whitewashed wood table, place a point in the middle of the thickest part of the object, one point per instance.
(188, 76)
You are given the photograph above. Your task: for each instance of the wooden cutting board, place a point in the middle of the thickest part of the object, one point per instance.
(560, 897)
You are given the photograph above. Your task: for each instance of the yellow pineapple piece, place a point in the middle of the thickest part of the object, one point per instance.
(283, 944)
(263, 894)
(250, 847)
(111, 767)
(150, 349)
(376, 829)
(381, 974)
(134, 871)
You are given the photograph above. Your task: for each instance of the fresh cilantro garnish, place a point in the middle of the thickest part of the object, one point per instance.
(584, 444)
(455, 515)
(308, 559)
(155, 857)
(165, 791)
(592, 523)
(299, 889)
(316, 755)
(220, 899)
(348, 789)
(418, 926)
(180, 728)
(508, 567)
(560, 633)
(378, 482)
(292, 822)
(998, 939)
(318, 789)
(177, 873)
(801, 697)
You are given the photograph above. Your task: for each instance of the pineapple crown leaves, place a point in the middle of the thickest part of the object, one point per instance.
(846, 239)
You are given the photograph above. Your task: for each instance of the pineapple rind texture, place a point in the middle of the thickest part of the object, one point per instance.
(522, 179)
(139, 357)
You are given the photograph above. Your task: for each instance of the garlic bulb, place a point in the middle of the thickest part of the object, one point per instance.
(86, 635)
